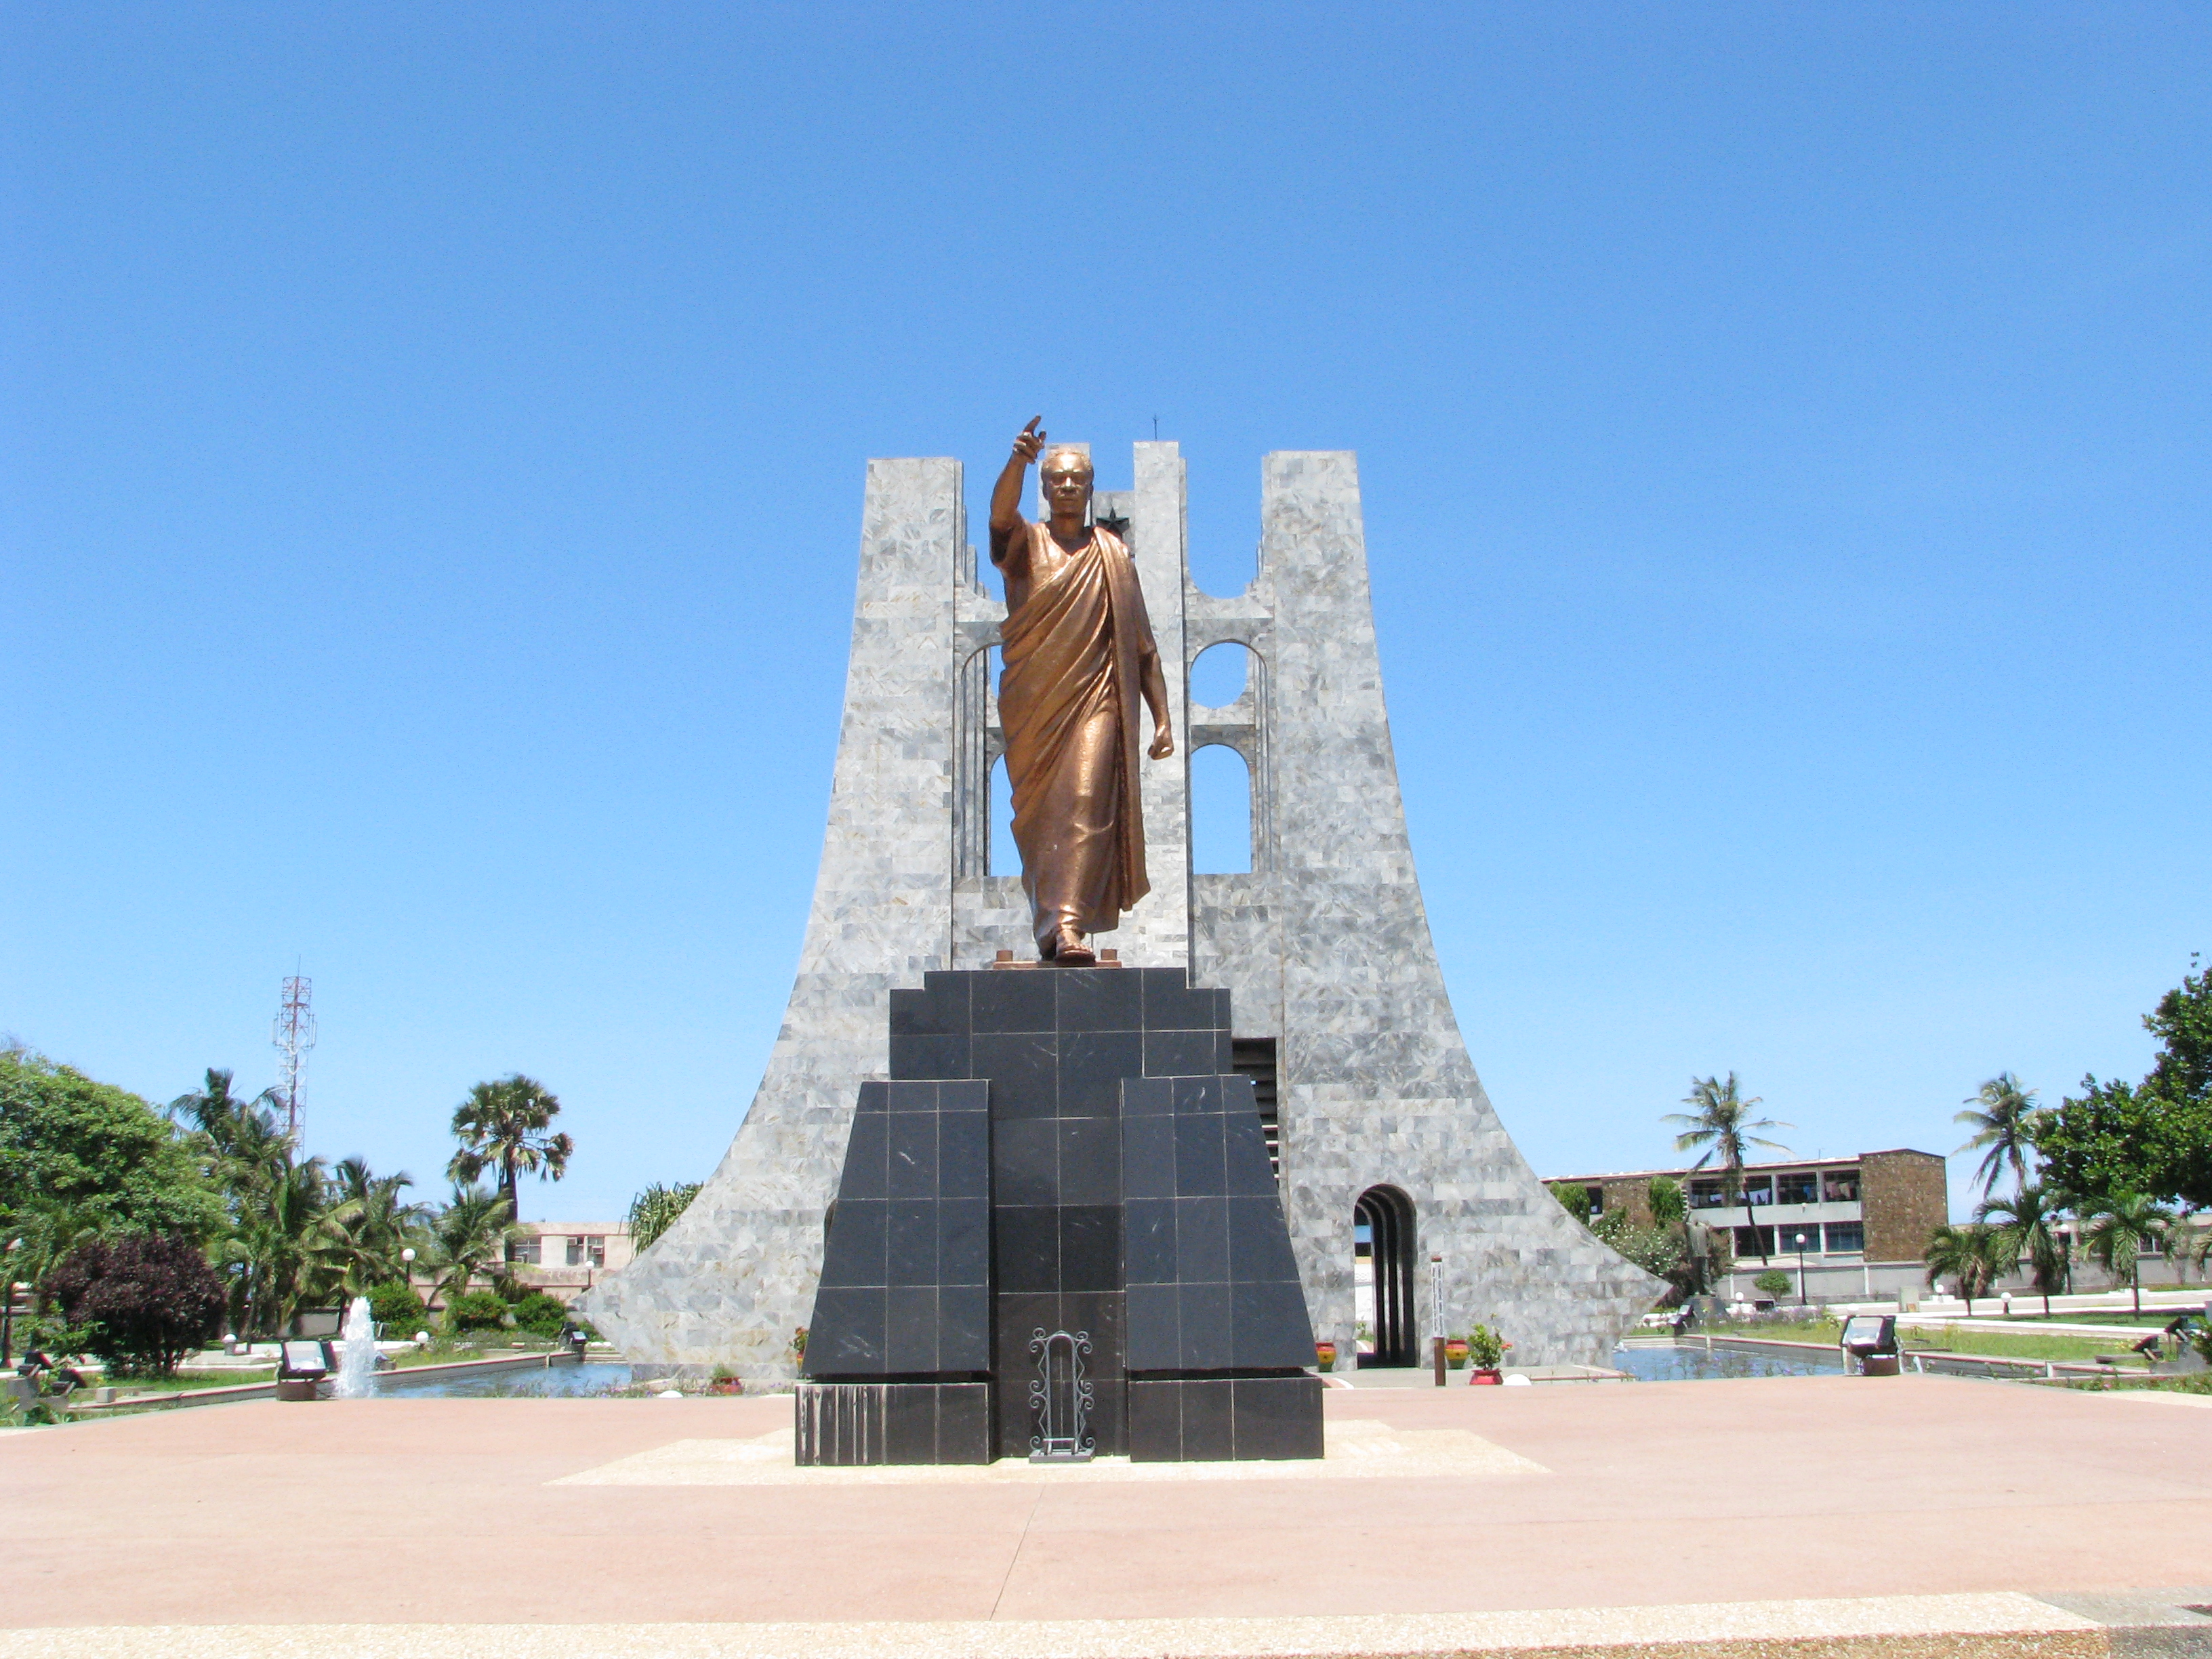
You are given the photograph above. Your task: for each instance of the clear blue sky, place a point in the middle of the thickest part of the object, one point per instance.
(433, 458)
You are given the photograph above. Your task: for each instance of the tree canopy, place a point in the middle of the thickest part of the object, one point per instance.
(96, 1151)
(2154, 1137)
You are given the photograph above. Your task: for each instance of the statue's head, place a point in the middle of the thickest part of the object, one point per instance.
(1064, 473)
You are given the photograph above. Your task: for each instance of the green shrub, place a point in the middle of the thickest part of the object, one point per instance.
(1485, 1349)
(396, 1308)
(476, 1310)
(541, 1314)
(1772, 1282)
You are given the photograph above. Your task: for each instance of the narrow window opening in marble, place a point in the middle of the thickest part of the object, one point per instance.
(1221, 812)
(1220, 675)
(1006, 857)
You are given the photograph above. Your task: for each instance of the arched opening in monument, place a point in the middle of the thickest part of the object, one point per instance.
(1383, 1244)
(1220, 811)
(1006, 857)
(1220, 674)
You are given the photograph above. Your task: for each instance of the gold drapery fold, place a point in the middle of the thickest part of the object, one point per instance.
(1068, 703)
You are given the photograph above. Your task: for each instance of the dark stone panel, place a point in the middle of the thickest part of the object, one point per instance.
(1205, 1343)
(1269, 1329)
(1148, 1241)
(1026, 1162)
(1024, 1070)
(1090, 1247)
(963, 1330)
(1025, 1249)
(1171, 1005)
(1209, 1431)
(1155, 1421)
(1201, 1241)
(867, 1173)
(950, 987)
(934, 1010)
(1249, 1174)
(928, 1055)
(1019, 1001)
(1090, 1160)
(910, 1095)
(1106, 1001)
(1091, 1067)
(847, 1333)
(1148, 1157)
(911, 1255)
(859, 1234)
(1259, 1243)
(964, 1241)
(1220, 996)
(1277, 1416)
(873, 1097)
(963, 1154)
(910, 1330)
(1201, 1162)
(1015, 1317)
(963, 1422)
(1155, 1327)
(913, 1154)
(909, 1423)
(1180, 1053)
(1194, 1095)
(1146, 1097)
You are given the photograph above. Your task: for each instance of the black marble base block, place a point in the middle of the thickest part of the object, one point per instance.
(846, 1424)
(1221, 1419)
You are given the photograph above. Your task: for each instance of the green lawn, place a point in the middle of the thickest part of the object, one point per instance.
(1949, 1339)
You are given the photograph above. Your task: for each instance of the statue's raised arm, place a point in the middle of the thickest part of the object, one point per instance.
(1006, 494)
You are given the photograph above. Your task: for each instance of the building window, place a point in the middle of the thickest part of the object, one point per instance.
(1841, 1186)
(1707, 1195)
(1753, 1240)
(524, 1250)
(1759, 1189)
(1846, 1238)
(595, 1250)
(1809, 1231)
(575, 1252)
(1799, 1187)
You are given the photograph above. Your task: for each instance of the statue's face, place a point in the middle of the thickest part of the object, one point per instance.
(1065, 477)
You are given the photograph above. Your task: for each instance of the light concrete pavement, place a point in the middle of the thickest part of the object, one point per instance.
(486, 1513)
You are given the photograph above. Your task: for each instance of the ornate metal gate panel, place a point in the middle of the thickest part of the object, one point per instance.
(1061, 1398)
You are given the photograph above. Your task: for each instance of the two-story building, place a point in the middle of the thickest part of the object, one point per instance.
(564, 1259)
(1855, 1226)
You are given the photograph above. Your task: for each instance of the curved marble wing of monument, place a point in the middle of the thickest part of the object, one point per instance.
(1325, 944)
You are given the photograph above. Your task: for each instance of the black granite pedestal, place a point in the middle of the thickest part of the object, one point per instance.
(1061, 1205)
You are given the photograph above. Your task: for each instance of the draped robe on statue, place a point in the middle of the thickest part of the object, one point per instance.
(1076, 643)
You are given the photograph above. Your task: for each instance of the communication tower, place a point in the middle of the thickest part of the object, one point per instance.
(294, 1034)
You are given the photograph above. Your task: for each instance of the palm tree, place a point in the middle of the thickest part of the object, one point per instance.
(2005, 1119)
(506, 1125)
(370, 1225)
(1973, 1254)
(2027, 1225)
(467, 1237)
(1724, 1125)
(2121, 1227)
(653, 1210)
(288, 1255)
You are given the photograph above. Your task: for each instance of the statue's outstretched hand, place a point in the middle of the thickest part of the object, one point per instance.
(1029, 444)
(1163, 742)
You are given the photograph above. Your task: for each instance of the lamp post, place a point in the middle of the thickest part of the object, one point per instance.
(1437, 1313)
(1800, 1270)
(407, 1268)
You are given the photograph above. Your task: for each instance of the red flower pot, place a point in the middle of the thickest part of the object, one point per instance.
(1325, 1356)
(1481, 1379)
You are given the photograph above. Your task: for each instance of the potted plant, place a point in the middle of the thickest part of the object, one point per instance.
(1324, 1356)
(1455, 1353)
(724, 1381)
(1485, 1350)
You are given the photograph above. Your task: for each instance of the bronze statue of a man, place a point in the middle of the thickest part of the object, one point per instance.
(1079, 652)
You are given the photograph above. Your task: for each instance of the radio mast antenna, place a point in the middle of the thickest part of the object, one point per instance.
(294, 1034)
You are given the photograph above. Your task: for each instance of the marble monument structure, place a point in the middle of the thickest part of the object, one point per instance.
(1341, 1042)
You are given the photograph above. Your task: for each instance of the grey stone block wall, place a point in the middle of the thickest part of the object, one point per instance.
(1325, 945)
